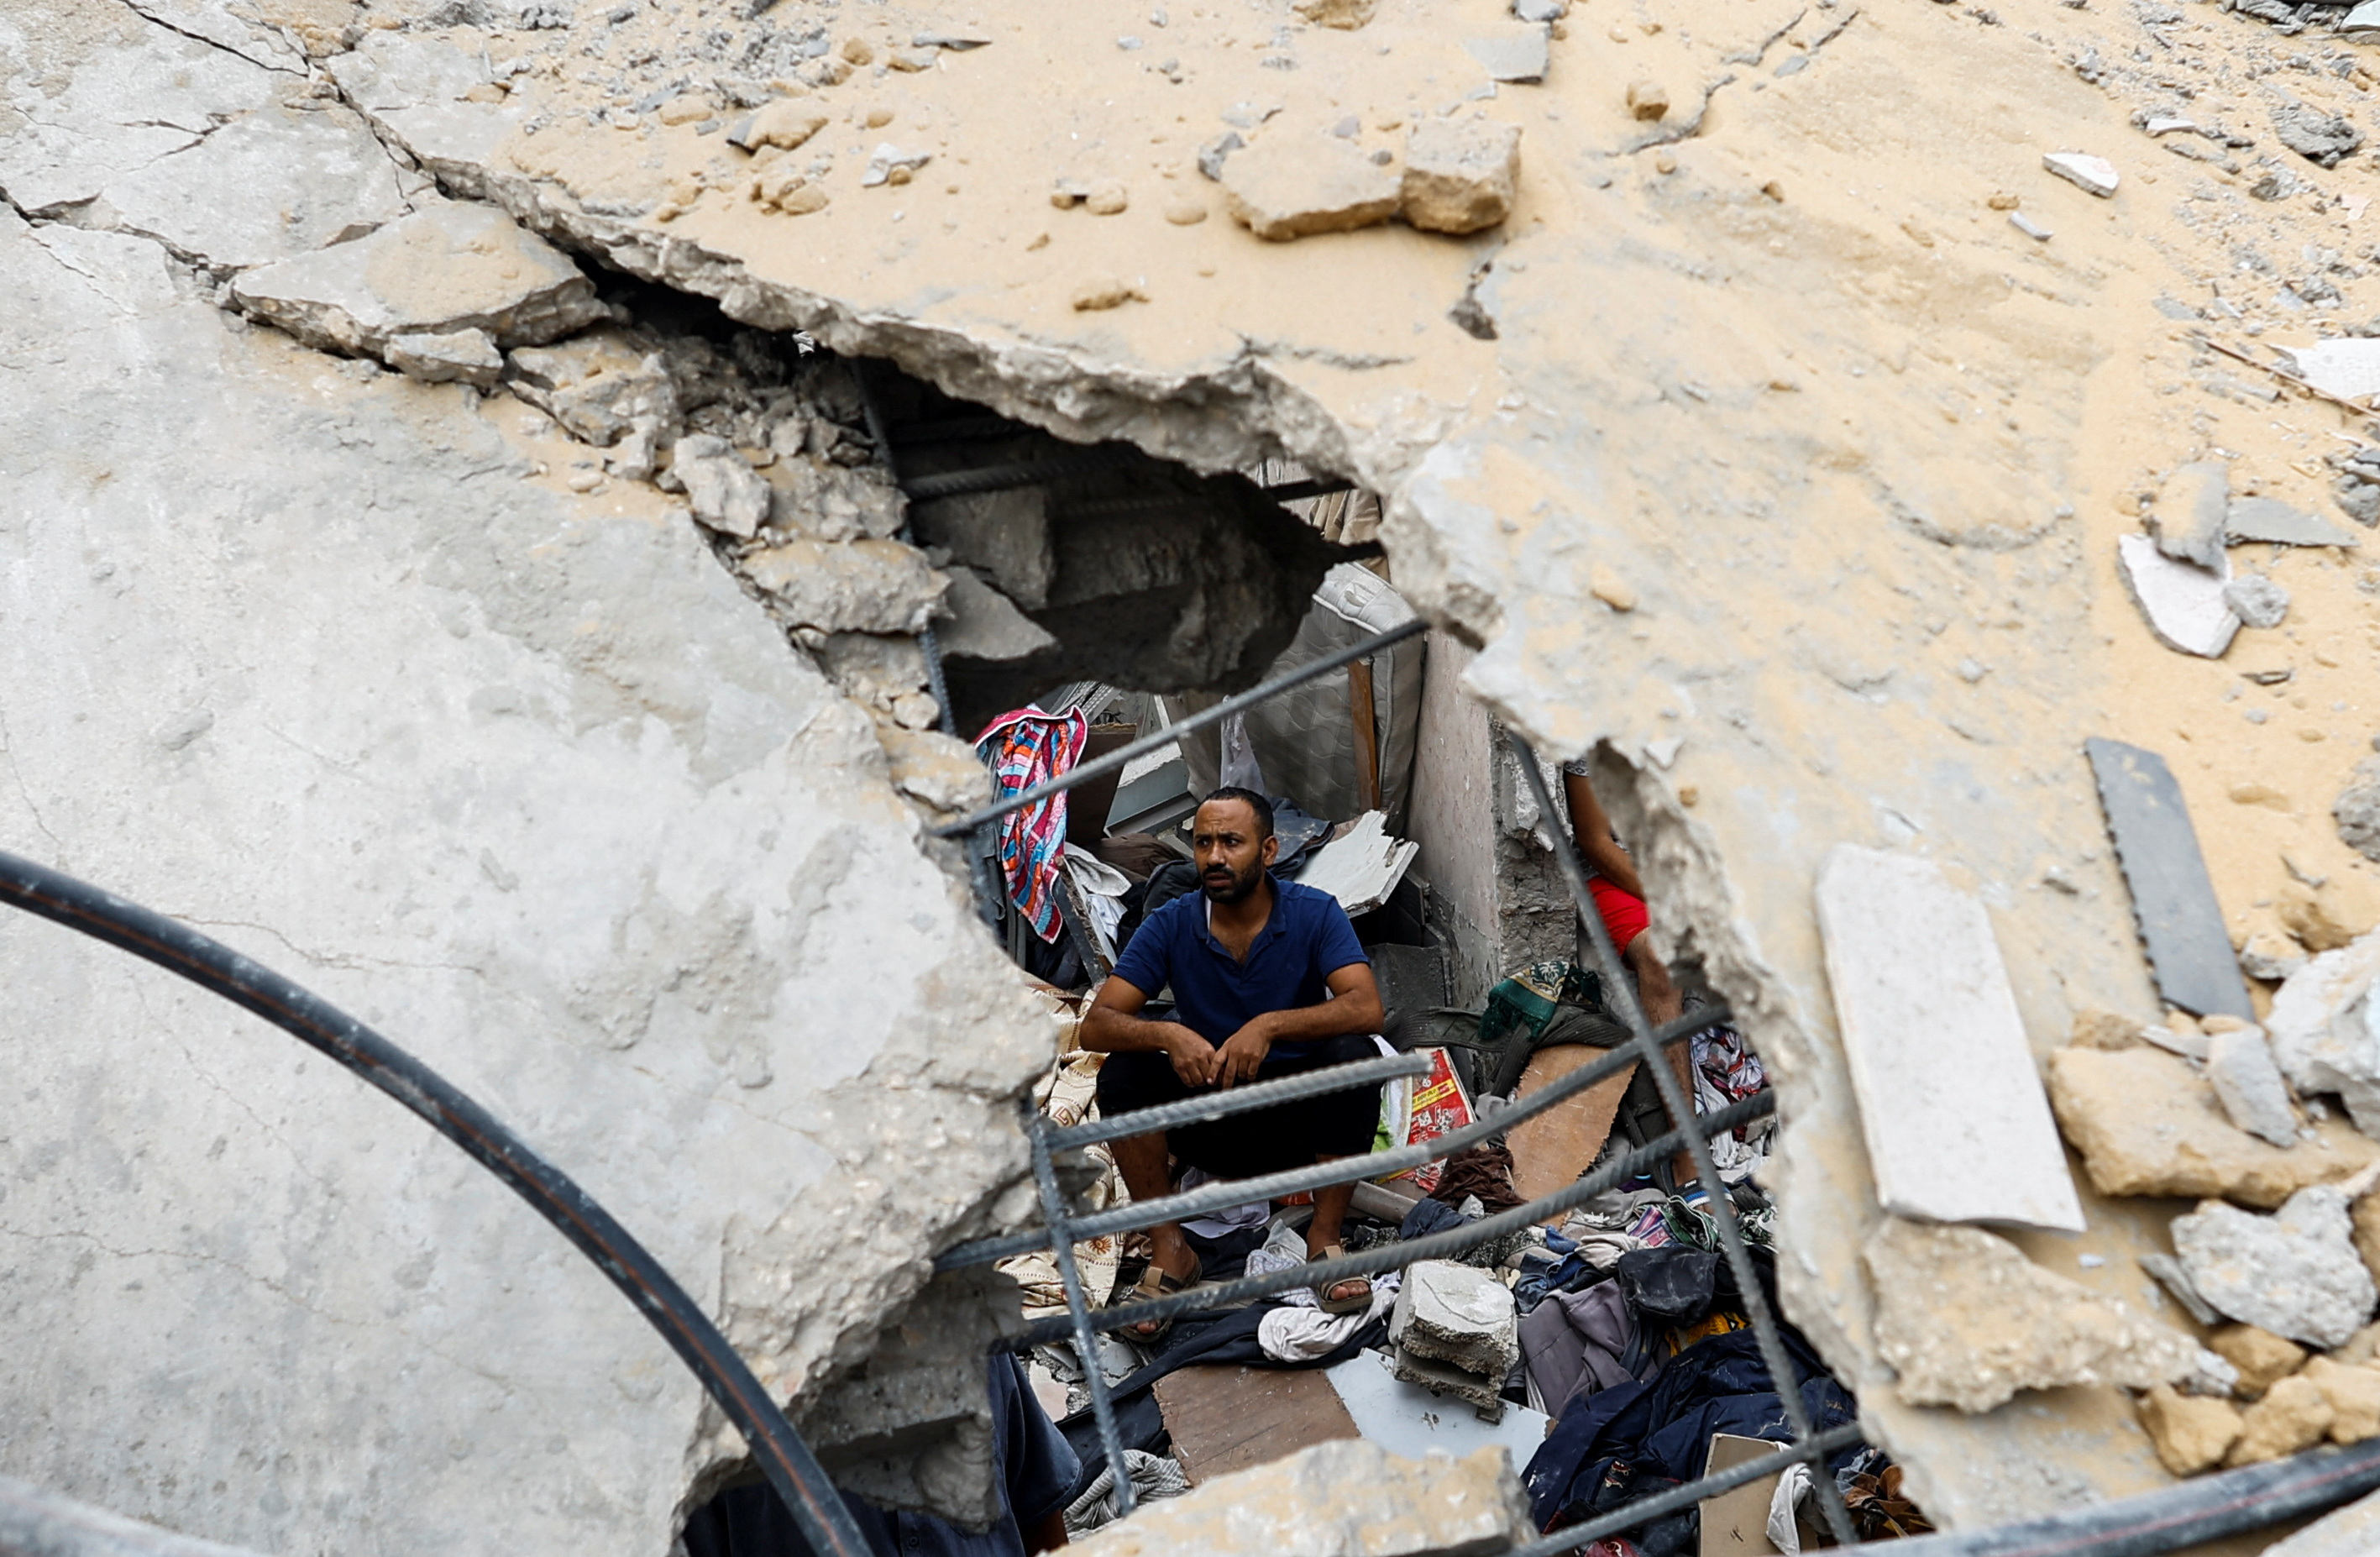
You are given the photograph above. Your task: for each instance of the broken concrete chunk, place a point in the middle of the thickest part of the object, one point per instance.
(2191, 510)
(726, 493)
(2324, 1028)
(1950, 1105)
(445, 268)
(942, 770)
(2294, 1273)
(1286, 187)
(2095, 175)
(2146, 1124)
(1541, 11)
(2354, 1396)
(2293, 1416)
(2191, 1433)
(890, 164)
(1344, 1498)
(982, 624)
(2176, 1282)
(2315, 135)
(2262, 1357)
(1967, 1320)
(2357, 811)
(599, 385)
(828, 501)
(1518, 54)
(2183, 601)
(859, 586)
(451, 357)
(2240, 1067)
(2269, 519)
(1211, 155)
(787, 123)
(1459, 1314)
(1460, 176)
(1648, 100)
(2256, 601)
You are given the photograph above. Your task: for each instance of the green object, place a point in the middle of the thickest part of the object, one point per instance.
(1526, 1000)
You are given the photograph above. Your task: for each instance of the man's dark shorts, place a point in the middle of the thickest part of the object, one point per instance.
(1270, 1139)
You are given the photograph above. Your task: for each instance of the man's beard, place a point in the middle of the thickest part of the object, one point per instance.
(1236, 890)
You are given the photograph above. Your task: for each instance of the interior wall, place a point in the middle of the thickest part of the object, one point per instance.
(1453, 817)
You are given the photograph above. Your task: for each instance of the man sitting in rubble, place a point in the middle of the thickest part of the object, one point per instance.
(1267, 979)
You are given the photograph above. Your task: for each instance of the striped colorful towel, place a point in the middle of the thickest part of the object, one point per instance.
(1023, 748)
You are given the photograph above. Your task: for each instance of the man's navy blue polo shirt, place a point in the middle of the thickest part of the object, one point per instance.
(1214, 995)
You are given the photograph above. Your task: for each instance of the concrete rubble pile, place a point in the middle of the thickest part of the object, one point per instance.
(448, 554)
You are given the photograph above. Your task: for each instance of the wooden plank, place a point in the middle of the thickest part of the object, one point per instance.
(1365, 716)
(1551, 1150)
(1229, 1417)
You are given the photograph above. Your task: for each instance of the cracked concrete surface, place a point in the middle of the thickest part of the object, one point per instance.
(1766, 460)
(304, 658)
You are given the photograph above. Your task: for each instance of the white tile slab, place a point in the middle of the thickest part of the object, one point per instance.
(1958, 1129)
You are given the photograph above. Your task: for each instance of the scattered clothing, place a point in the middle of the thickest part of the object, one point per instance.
(1298, 1332)
(1025, 749)
(1153, 1476)
(1231, 1218)
(1784, 1529)
(1574, 1344)
(1619, 1444)
(1484, 1171)
(1436, 1216)
(1038, 1469)
(1137, 855)
(1100, 888)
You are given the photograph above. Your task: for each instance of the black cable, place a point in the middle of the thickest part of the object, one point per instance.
(211, 965)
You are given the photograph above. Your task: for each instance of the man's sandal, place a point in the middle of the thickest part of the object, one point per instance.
(1354, 1303)
(1159, 1281)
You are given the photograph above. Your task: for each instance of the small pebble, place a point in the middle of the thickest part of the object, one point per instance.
(878, 118)
(2257, 716)
(1664, 162)
(1108, 199)
(1186, 212)
(859, 51)
(2090, 1262)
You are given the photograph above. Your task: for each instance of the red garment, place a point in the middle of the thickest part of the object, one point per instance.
(1623, 913)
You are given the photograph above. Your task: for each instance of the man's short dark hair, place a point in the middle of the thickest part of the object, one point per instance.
(1254, 801)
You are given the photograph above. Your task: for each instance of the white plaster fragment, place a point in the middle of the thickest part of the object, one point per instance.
(2096, 175)
(2183, 601)
(1956, 1123)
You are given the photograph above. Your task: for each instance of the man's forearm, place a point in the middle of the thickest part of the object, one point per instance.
(1349, 1012)
(1115, 1033)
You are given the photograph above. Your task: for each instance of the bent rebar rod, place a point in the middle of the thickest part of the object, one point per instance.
(787, 1461)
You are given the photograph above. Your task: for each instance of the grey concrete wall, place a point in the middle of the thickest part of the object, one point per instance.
(1452, 816)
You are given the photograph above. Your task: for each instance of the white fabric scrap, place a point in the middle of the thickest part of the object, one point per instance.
(1302, 1331)
(1231, 1218)
(1792, 1486)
